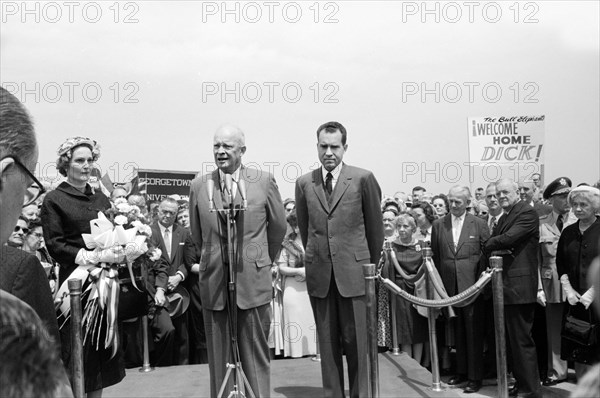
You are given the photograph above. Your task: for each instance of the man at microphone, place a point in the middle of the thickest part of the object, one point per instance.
(259, 230)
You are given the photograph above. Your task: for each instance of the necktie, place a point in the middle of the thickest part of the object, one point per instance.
(167, 239)
(493, 225)
(559, 222)
(456, 231)
(328, 184)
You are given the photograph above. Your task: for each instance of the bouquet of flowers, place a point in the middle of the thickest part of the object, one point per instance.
(123, 231)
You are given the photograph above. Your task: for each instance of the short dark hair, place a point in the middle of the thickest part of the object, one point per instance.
(427, 210)
(31, 366)
(17, 135)
(332, 127)
(36, 222)
(419, 188)
(444, 198)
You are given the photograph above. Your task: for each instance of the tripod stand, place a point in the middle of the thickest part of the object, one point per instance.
(240, 381)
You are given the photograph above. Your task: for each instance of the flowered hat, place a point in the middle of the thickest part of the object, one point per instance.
(70, 143)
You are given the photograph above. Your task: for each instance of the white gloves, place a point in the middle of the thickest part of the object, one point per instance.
(587, 298)
(572, 295)
(541, 298)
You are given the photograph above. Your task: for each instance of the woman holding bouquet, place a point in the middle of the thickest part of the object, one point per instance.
(66, 214)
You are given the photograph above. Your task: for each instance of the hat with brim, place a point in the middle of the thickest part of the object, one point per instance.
(559, 186)
(178, 301)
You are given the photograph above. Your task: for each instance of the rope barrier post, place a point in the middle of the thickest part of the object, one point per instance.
(436, 384)
(395, 346)
(498, 297)
(369, 273)
(77, 379)
(146, 365)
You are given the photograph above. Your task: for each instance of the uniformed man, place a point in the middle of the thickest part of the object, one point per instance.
(550, 293)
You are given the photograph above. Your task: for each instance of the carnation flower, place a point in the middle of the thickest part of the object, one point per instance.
(123, 207)
(120, 220)
(154, 254)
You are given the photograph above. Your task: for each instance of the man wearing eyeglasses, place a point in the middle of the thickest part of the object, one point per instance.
(170, 334)
(21, 274)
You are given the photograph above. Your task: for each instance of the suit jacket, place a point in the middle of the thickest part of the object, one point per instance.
(518, 232)
(341, 234)
(179, 238)
(459, 268)
(22, 275)
(260, 231)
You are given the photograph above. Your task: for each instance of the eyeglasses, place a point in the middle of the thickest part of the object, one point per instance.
(289, 208)
(35, 190)
(38, 235)
(20, 228)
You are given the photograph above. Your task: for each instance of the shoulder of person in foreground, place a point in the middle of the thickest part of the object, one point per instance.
(31, 366)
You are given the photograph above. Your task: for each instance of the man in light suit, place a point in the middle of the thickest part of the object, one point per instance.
(516, 239)
(259, 232)
(340, 222)
(457, 242)
(170, 334)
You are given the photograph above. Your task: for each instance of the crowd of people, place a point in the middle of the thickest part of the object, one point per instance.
(304, 294)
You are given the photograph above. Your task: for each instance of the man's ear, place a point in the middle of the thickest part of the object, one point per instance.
(5, 167)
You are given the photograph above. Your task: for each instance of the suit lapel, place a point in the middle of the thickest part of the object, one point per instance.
(217, 198)
(464, 232)
(159, 238)
(175, 239)
(341, 186)
(448, 232)
(319, 188)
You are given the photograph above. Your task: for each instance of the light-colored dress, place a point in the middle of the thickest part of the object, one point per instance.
(298, 326)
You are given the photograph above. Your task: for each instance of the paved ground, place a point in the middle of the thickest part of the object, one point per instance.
(399, 376)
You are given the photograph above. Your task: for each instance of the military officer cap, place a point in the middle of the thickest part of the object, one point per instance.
(559, 186)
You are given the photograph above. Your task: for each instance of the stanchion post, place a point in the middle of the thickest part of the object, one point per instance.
(498, 297)
(436, 384)
(369, 273)
(146, 365)
(394, 328)
(77, 379)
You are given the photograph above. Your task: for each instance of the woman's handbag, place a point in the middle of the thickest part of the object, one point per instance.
(579, 331)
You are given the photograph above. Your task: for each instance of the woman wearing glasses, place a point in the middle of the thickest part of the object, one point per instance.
(66, 214)
(33, 243)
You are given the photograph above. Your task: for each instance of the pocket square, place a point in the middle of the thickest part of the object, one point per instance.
(471, 237)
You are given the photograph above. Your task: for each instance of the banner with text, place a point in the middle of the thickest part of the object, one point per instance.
(506, 146)
(158, 184)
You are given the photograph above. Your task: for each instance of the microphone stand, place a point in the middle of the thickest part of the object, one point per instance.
(240, 381)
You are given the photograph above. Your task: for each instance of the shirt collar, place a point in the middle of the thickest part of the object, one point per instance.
(163, 228)
(235, 176)
(454, 218)
(335, 173)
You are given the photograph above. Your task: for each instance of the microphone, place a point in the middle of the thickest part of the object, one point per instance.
(242, 191)
(210, 187)
(229, 187)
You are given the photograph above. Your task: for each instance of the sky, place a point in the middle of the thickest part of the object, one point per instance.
(151, 81)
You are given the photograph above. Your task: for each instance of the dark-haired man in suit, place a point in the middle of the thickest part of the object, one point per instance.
(340, 222)
(457, 242)
(516, 239)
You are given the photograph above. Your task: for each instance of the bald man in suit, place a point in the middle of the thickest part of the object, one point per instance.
(340, 222)
(258, 236)
(516, 239)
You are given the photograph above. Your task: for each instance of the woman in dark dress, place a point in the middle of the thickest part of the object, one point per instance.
(412, 328)
(577, 247)
(66, 214)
